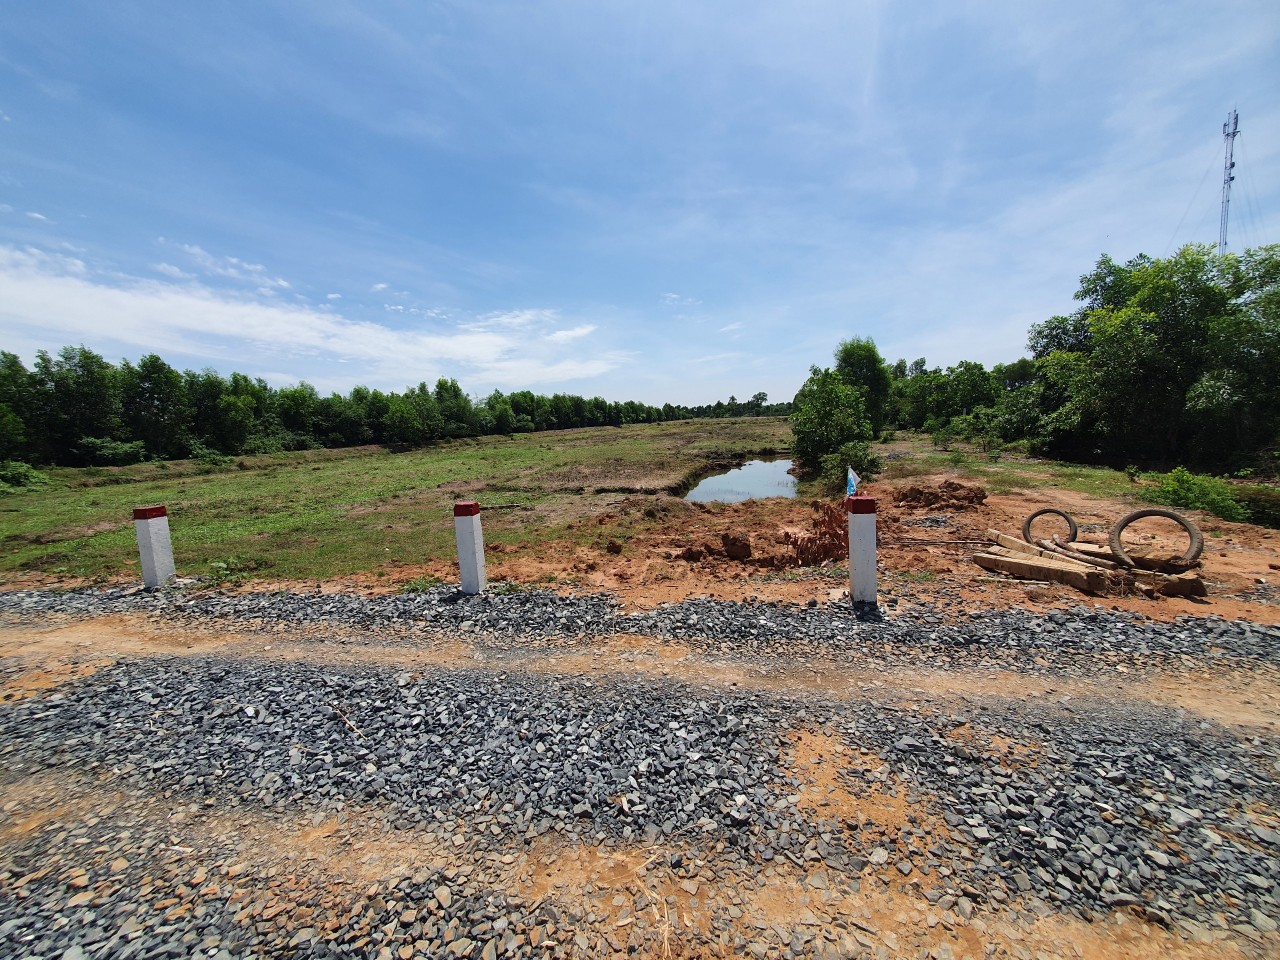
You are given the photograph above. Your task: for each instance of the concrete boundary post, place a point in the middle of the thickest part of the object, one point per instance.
(155, 549)
(862, 549)
(466, 527)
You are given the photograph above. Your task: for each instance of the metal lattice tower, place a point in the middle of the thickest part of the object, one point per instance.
(1230, 129)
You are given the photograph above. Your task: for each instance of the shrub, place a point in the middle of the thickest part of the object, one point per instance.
(1182, 488)
(835, 466)
(827, 416)
(14, 475)
(101, 452)
(207, 456)
(1263, 504)
(943, 437)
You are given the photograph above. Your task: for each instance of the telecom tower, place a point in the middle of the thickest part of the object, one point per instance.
(1229, 131)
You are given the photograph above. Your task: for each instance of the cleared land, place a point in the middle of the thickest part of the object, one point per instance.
(640, 760)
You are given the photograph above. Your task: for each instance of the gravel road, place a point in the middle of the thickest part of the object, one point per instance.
(228, 803)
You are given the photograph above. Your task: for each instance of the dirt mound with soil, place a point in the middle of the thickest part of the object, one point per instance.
(948, 495)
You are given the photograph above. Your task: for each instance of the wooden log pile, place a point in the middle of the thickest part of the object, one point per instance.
(1087, 567)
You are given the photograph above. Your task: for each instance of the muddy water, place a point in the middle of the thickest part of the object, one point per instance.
(754, 480)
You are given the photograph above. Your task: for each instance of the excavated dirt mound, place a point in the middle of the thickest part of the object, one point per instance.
(947, 495)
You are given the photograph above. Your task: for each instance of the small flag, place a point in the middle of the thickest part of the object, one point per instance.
(852, 487)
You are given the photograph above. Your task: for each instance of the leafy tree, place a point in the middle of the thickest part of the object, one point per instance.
(402, 424)
(455, 409)
(16, 407)
(430, 414)
(76, 396)
(502, 413)
(156, 409)
(1168, 359)
(860, 365)
(827, 414)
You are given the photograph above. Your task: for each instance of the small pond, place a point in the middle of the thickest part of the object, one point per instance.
(751, 481)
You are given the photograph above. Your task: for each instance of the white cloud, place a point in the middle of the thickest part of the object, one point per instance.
(37, 216)
(564, 336)
(169, 270)
(676, 300)
(516, 319)
(47, 300)
(333, 296)
(233, 268)
(378, 288)
(736, 325)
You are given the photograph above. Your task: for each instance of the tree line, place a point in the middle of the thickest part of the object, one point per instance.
(1166, 361)
(78, 409)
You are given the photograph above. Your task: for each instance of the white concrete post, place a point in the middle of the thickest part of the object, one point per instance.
(862, 549)
(155, 549)
(466, 527)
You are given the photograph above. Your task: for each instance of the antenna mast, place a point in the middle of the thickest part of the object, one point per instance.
(1229, 131)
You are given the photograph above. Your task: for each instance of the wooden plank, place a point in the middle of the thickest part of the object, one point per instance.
(1188, 584)
(1066, 551)
(1095, 550)
(1029, 568)
(1021, 546)
(1047, 561)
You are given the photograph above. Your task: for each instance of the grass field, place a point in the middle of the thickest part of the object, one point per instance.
(915, 455)
(318, 514)
(332, 513)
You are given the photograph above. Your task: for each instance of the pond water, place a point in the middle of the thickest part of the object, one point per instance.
(751, 481)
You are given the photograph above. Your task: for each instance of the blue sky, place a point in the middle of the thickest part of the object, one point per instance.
(655, 201)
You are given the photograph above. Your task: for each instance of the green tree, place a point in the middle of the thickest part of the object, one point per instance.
(402, 424)
(827, 414)
(455, 409)
(16, 408)
(1167, 360)
(860, 365)
(77, 396)
(155, 407)
(500, 409)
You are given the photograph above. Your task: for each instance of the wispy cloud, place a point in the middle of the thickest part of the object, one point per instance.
(676, 300)
(574, 333)
(44, 296)
(32, 215)
(233, 268)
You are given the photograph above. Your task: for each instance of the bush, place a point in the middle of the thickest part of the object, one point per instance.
(100, 452)
(834, 474)
(1263, 504)
(14, 475)
(1182, 488)
(827, 416)
(207, 456)
(943, 437)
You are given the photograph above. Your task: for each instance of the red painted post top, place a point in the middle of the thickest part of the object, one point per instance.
(860, 504)
(466, 508)
(149, 513)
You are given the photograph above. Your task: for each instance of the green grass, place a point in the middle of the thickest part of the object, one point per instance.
(327, 513)
(1011, 472)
